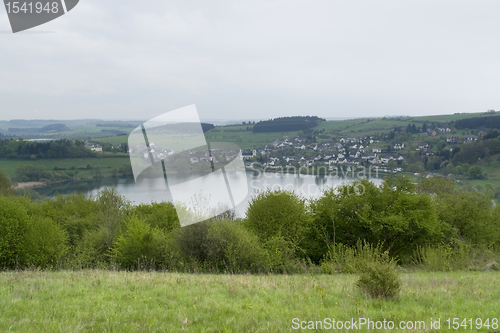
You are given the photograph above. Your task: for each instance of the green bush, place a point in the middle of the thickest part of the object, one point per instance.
(45, 243)
(272, 214)
(378, 270)
(30, 193)
(158, 215)
(99, 230)
(461, 257)
(13, 227)
(32, 173)
(380, 280)
(232, 248)
(5, 185)
(190, 243)
(75, 213)
(111, 208)
(139, 246)
(283, 256)
(469, 216)
(92, 250)
(475, 172)
(345, 259)
(392, 214)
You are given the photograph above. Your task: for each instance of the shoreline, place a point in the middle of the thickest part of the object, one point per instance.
(29, 185)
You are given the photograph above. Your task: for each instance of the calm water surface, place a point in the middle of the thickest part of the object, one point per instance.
(305, 185)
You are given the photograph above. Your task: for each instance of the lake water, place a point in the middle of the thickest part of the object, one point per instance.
(305, 185)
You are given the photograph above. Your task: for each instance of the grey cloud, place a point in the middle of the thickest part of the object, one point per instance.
(267, 58)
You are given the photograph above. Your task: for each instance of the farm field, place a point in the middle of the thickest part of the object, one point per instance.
(246, 139)
(114, 140)
(106, 163)
(111, 301)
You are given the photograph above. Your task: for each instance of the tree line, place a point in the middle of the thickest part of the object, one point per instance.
(20, 149)
(477, 122)
(281, 232)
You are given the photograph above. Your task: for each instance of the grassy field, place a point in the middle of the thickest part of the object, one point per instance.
(107, 301)
(114, 140)
(106, 163)
(246, 139)
(78, 132)
(451, 117)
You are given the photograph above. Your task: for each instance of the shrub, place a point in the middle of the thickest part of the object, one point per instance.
(29, 193)
(392, 214)
(345, 259)
(92, 250)
(232, 248)
(283, 256)
(139, 246)
(94, 227)
(75, 213)
(13, 227)
(158, 215)
(380, 280)
(111, 209)
(475, 173)
(45, 243)
(189, 240)
(32, 173)
(5, 185)
(453, 258)
(272, 214)
(469, 216)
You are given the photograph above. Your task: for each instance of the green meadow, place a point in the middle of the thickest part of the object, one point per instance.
(118, 301)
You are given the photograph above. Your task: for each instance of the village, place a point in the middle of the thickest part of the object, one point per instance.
(348, 153)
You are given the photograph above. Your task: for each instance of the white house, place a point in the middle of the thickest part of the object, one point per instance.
(399, 145)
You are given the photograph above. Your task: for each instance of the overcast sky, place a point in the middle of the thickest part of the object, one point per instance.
(122, 59)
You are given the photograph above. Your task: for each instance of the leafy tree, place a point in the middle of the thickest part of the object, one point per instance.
(75, 214)
(468, 216)
(475, 173)
(13, 227)
(392, 165)
(110, 213)
(392, 214)
(54, 149)
(32, 173)
(5, 185)
(139, 245)
(232, 248)
(273, 214)
(45, 242)
(476, 122)
(436, 186)
(158, 215)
